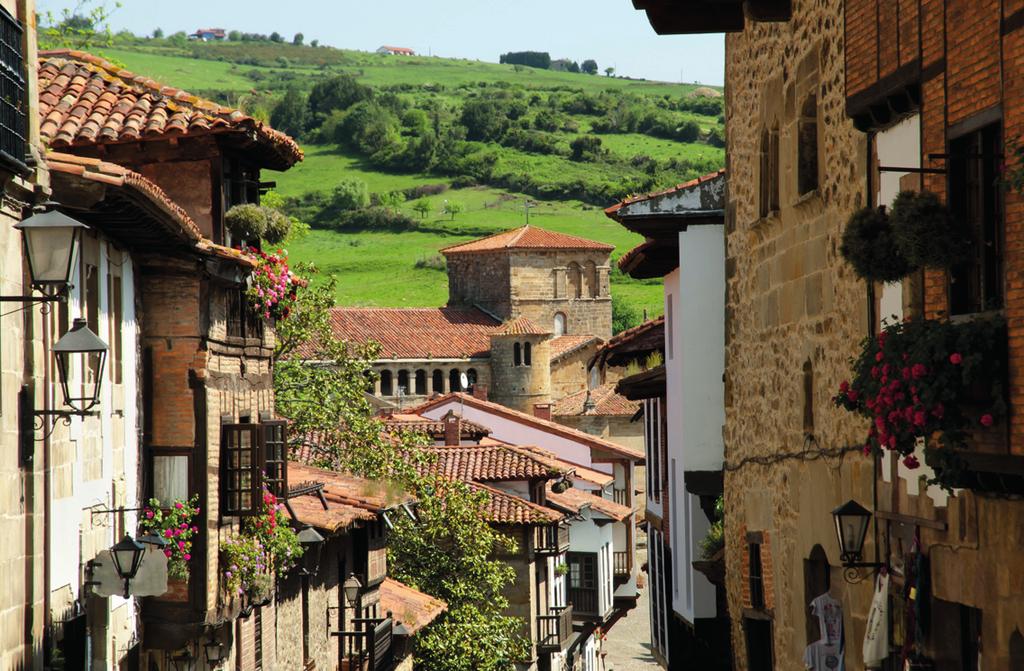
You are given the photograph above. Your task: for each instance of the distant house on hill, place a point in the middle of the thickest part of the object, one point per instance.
(396, 51)
(208, 34)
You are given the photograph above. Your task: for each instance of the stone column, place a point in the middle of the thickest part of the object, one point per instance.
(603, 281)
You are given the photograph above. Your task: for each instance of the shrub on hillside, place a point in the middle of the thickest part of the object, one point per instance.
(586, 148)
(290, 115)
(483, 120)
(374, 219)
(350, 194)
(337, 93)
(537, 142)
(533, 59)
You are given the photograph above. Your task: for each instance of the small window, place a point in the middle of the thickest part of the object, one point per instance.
(403, 382)
(275, 456)
(769, 182)
(437, 381)
(559, 324)
(471, 376)
(976, 199)
(756, 577)
(517, 354)
(386, 383)
(421, 382)
(170, 477)
(527, 354)
(807, 165)
(454, 381)
(242, 462)
(13, 121)
(590, 279)
(116, 301)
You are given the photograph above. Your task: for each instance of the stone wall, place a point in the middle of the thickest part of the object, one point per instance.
(480, 279)
(520, 387)
(541, 287)
(569, 373)
(791, 301)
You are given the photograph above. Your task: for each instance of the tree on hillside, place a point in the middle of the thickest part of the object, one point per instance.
(314, 43)
(78, 27)
(484, 120)
(585, 148)
(453, 207)
(624, 315)
(291, 114)
(276, 37)
(298, 39)
(589, 66)
(421, 207)
(609, 72)
(533, 59)
(337, 93)
(574, 67)
(372, 129)
(235, 36)
(158, 33)
(350, 194)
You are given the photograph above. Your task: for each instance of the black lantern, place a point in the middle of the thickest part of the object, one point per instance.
(127, 557)
(852, 521)
(215, 652)
(312, 543)
(351, 588)
(51, 240)
(81, 345)
(154, 539)
(183, 661)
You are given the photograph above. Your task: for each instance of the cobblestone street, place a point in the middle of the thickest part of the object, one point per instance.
(629, 642)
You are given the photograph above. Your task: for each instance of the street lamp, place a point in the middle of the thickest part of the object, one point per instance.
(154, 539)
(312, 543)
(127, 557)
(182, 661)
(51, 241)
(351, 589)
(215, 652)
(851, 521)
(82, 345)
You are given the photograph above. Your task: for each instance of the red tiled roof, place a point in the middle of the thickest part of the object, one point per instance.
(85, 100)
(576, 499)
(611, 211)
(410, 607)
(110, 173)
(538, 423)
(607, 402)
(433, 427)
(349, 498)
(503, 508)
(567, 344)
(578, 472)
(649, 335)
(418, 333)
(526, 237)
(520, 326)
(489, 463)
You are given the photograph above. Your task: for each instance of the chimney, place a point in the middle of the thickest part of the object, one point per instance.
(542, 411)
(452, 429)
(480, 391)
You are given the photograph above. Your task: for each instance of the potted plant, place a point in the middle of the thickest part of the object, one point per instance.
(175, 524)
(925, 231)
(869, 245)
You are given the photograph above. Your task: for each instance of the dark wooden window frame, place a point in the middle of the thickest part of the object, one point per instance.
(756, 576)
(13, 100)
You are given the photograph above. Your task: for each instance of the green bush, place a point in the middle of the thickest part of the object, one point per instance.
(248, 221)
(585, 148)
(374, 219)
(350, 194)
(925, 231)
(869, 245)
(279, 225)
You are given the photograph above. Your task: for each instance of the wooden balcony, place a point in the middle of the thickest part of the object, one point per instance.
(554, 629)
(583, 601)
(551, 540)
(368, 646)
(621, 565)
(621, 496)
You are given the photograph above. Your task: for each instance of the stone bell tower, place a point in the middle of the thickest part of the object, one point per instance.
(521, 365)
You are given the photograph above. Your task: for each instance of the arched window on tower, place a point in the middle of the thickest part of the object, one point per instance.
(453, 380)
(438, 381)
(590, 279)
(517, 354)
(807, 158)
(386, 384)
(403, 382)
(421, 382)
(471, 376)
(527, 354)
(574, 279)
(559, 324)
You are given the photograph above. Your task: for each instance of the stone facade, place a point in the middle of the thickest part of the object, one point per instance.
(795, 315)
(520, 386)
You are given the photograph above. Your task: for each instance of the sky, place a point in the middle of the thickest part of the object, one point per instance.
(609, 31)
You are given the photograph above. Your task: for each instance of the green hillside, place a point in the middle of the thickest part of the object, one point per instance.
(573, 142)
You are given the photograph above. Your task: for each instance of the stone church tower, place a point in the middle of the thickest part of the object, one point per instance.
(521, 365)
(559, 282)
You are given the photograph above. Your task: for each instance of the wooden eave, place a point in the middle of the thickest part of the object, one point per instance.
(647, 384)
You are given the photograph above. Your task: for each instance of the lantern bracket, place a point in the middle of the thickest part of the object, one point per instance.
(48, 427)
(853, 574)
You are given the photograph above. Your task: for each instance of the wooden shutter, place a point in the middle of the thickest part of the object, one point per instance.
(275, 457)
(242, 469)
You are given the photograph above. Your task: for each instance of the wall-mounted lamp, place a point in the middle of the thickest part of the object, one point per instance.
(127, 557)
(852, 520)
(51, 241)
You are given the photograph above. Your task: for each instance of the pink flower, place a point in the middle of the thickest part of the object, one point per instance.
(167, 553)
(892, 442)
(168, 533)
(187, 557)
(910, 461)
(919, 418)
(879, 356)
(955, 358)
(853, 395)
(987, 420)
(918, 370)
(149, 514)
(181, 545)
(179, 505)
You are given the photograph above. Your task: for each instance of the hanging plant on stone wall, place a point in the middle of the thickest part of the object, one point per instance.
(925, 231)
(869, 245)
(928, 379)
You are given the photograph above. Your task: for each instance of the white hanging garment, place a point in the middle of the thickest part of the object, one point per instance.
(876, 636)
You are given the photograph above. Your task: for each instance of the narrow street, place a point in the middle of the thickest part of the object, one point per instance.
(629, 641)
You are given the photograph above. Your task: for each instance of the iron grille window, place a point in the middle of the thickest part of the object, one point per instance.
(243, 321)
(275, 456)
(12, 90)
(975, 198)
(243, 466)
(756, 577)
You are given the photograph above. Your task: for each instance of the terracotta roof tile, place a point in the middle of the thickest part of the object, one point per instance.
(574, 499)
(496, 463)
(607, 402)
(86, 100)
(349, 499)
(526, 237)
(504, 508)
(578, 472)
(410, 607)
(520, 326)
(417, 333)
(567, 344)
(611, 211)
(542, 424)
(433, 427)
(645, 337)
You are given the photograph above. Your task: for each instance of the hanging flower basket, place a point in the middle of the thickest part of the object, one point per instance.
(869, 245)
(266, 545)
(928, 379)
(272, 289)
(925, 231)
